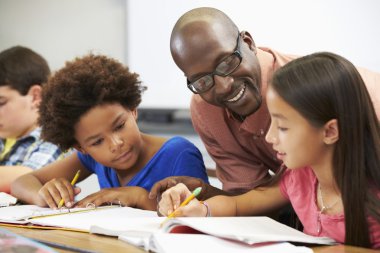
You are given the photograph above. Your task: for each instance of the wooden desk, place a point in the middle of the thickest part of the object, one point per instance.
(85, 241)
(98, 243)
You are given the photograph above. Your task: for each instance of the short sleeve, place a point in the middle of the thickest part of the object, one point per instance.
(285, 182)
(87, 161)
(189, 162)
(41, 155)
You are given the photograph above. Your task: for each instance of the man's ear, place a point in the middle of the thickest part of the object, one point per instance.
(247, 38)
(35, 93)
(331, 132)
(79, 148)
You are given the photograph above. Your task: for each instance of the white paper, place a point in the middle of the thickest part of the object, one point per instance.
(21, 213)
(242, 230)
(190, 243)
(249, 230)
(126, 224)
(83, 221)
(6, 199)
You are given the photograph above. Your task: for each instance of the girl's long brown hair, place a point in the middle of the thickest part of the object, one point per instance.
(325, 86)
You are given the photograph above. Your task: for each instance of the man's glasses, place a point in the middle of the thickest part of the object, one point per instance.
(224, 68)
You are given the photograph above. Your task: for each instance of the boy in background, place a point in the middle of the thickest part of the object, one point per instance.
(22, 73)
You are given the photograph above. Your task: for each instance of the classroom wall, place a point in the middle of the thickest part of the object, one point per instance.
(347, 27)
(137, 32)
(61, 30)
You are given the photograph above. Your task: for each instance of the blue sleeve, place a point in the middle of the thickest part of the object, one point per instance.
(189, 162)
(87, 161)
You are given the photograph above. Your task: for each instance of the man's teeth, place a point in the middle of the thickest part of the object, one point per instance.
(238, 96)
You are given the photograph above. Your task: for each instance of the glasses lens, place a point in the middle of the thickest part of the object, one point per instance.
(203, 84)
(228, 65)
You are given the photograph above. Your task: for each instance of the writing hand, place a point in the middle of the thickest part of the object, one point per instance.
(56, 189)
(172, 198)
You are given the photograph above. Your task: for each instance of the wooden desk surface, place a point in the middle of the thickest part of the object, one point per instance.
(98, 243)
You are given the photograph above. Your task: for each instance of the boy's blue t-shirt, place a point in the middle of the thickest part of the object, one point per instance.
(177, 157)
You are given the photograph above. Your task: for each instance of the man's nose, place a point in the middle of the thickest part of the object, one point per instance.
(223, 84)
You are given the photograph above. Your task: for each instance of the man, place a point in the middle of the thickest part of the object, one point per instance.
(22, 73)
(229, 76)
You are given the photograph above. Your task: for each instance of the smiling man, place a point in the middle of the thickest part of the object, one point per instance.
(229, 76)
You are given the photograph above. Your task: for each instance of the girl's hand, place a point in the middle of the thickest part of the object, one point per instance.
(132, 196)
(55, 190)
(174, 196)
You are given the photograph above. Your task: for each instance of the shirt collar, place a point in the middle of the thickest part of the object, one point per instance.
(35, 134)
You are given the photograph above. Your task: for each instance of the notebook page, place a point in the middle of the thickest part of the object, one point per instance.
(249, 230)
(173, 243)
(135, 227)
(6, 199)
(84, 220)
(21, 213)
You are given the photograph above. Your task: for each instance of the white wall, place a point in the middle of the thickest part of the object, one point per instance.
(61, 30)
(347, 27)
(137, 32)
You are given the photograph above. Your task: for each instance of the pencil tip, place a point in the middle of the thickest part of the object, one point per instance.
(197, 191)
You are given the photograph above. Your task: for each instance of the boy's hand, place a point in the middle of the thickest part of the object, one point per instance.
(55, 190)
(132, 196)
(173, 197)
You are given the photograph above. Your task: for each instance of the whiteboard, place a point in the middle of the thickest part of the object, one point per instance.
(137, 32)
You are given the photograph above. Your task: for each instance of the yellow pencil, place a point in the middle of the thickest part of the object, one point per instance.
(194, 194)
(75, 179)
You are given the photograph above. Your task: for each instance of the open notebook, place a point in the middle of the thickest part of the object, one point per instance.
(143, 228)
(190, 243)
(244, 230)
(76, 219)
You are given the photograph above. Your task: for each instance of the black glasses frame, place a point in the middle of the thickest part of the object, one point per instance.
(236, 52)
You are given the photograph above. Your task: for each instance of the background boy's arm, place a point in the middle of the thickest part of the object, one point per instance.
(10, 173)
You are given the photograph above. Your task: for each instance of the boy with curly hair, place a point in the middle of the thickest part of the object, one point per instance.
(22, 74)
(91, 105)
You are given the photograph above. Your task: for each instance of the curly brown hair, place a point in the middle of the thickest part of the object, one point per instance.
(79, 86)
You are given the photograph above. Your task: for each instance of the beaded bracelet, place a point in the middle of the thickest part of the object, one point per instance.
(207, 207)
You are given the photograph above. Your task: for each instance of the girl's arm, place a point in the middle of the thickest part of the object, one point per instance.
(260, 201)
(46, 186)
(255, 202)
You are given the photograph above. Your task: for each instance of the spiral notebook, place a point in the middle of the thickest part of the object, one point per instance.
(74, 219)
(24, 214)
